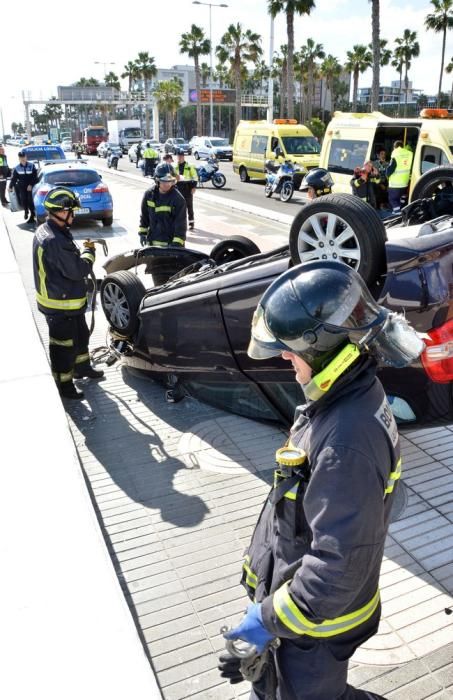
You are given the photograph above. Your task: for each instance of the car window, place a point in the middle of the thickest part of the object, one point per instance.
(345, 155)
(76, 178)
(179, 140)
(44, 154)
(431, 157)
(243, 399)
(300, 145)
(206, 143)
(219, 142)
(259, 144)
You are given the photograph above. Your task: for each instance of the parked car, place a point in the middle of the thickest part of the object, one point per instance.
(132, 152)
(82, 179)
(192, 332)
(171, 145)
(209, 146)
(66, 145)
(104, 146)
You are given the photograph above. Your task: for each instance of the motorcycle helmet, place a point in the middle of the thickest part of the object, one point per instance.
(320, 180)
(61, 199)
(317, 308)
(164, 173)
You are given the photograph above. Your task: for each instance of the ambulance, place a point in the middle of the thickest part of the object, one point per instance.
(258, 141)
(352, 139)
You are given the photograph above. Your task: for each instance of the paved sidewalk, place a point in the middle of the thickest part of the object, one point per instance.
(178, 488)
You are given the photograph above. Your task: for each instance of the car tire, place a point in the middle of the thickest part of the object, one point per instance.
(243, 174)
(286, 191)
(219, 180)
(363, 248)
(196, 155)
(121, 294)
(234, 248)
(430, 181)
(107, 221)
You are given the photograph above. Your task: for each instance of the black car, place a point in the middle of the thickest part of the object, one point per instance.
(192, 333)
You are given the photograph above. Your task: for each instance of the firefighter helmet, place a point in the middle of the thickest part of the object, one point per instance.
(61, 199)
(164, 173)
(320, 180)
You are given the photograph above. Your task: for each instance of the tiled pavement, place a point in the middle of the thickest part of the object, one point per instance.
(176, 534)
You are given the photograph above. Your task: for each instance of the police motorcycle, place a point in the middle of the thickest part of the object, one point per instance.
(210, 173)
(113, 156)
(282, 178)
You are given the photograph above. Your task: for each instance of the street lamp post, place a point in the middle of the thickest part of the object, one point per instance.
(104, 64)
(211, 108)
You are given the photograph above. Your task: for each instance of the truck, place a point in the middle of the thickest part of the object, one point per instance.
(125, 132)
(92, 136)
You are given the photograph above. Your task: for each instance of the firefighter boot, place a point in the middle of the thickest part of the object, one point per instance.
(68, 390)
(89, 372)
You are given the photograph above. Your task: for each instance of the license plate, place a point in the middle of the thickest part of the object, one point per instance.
(81, 211)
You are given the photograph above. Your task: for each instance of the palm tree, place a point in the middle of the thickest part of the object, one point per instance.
(261, 74)
(290, 8)
(310, 53)
(449, 69)
(112, 80)
(301, 75)
(408, 48)
(146, 70)
(131, 73)
(279, 72)
(376, 53)
(398, 63)
(205, 72)
(440, 21)
(359, 60)
(168, 95)
(330, 69)
(195, 44)
(240, 47)
(87, 82)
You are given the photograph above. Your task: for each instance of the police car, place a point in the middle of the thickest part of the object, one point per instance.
(84, 181)
(43, 153)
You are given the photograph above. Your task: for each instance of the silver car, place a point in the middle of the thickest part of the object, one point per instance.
(132, 152)
(209, 146)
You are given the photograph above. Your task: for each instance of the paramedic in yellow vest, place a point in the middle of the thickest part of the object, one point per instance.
(399, 174)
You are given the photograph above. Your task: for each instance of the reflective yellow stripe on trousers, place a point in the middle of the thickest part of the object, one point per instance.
(290, 615)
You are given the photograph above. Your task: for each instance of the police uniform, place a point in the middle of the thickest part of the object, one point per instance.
(61, 293)
(399, 174)
(4, 174)
(315, 555)
(187, 182)
(24, 176)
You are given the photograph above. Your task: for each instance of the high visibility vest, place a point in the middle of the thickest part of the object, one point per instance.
(402, 173)
(150, 153)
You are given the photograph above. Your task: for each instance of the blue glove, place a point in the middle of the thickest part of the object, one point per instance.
(251, 629)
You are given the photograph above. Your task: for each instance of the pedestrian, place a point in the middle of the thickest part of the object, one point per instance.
(5, 172)
(24, 177)
(187, 183)
(399, 175)
(364, 182)
(138, 152)
(312, 567)
(151, 157)
(60, 270)
(316, 183)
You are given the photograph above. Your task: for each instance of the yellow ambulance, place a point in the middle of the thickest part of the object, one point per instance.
(352, 139)
(260, 140)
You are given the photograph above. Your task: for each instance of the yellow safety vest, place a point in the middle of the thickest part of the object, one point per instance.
(402, 174)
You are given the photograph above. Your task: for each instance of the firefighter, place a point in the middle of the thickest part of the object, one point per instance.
(399, 175)
(364, 183)
(24, 177)
(186, 183)
(316, 183)
(61, 293)
(150, 156)
(312, 567)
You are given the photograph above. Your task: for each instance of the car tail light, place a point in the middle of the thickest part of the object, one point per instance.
(100, 188)
(437, 358)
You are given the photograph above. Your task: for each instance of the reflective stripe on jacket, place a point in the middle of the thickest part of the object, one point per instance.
(401, 175)
(60, 271)
(315, 556)
(163, 217)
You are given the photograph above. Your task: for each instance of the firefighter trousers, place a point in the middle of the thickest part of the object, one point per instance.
(312, 673)
(68, 346)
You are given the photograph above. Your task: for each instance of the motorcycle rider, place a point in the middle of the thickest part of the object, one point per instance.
(312, 567)
(186, 183)
(316, 183)
(61, 293)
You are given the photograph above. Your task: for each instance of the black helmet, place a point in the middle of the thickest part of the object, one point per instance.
(320, 179)
(179, 152)
(313, 310)
(61, 199)
(164, 173)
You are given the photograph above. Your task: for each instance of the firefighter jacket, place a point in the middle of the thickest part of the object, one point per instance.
(4, 169)
(188, 178)
(60, 270)
(163, 217)
(399, 170)
(316, 552)
(24, 175)
(365, 188)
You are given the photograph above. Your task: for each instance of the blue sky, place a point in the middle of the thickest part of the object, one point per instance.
(41, 49)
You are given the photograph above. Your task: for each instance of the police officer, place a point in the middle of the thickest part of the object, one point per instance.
(186, 183)
(312, 567)
(316, 183)
(23, 178)
(61, 293)
(364, 183)
(4, 174)
(399, 175)
(151, 157)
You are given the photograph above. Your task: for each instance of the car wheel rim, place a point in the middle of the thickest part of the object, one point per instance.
(116, 305)
(326, 236)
